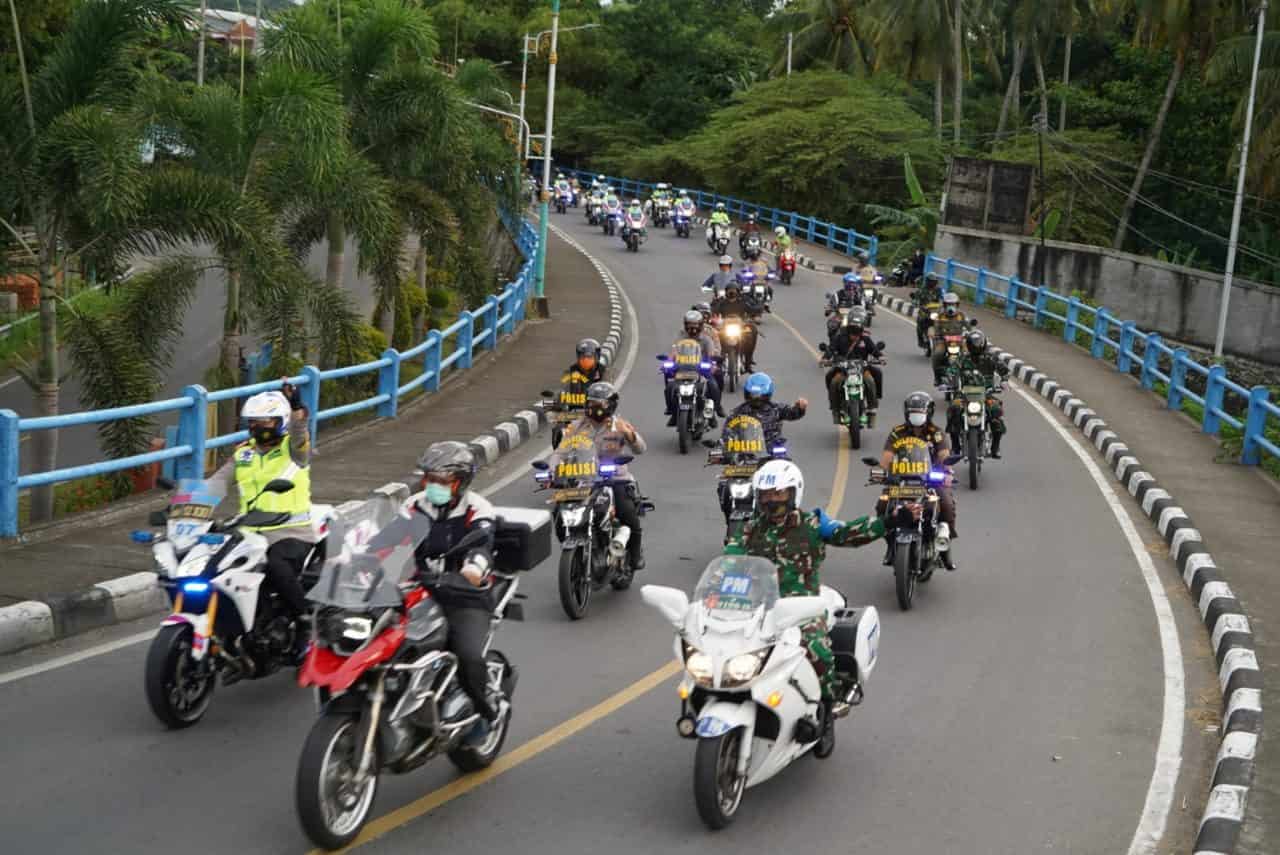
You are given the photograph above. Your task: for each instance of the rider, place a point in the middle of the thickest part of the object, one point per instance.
(611, 200)
(588, 363)
(853, 342)
(685, 204)
(734, 302)
(562, 184)
(720, 216)
(720, 281)
(783, 239)
(848, 296)
(978, 360)
(916, 267)
(278, 448)
(918, 411)
(951, 321)
(612, 435)
(757, 394)
(750, 227)
(929, 293)
(447, 470)
(696, 328)
(796, 542)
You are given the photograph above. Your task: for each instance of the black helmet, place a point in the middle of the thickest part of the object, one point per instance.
(589, 347)
(605, 398)
(976, 341)
(703, 309)
(450, 458)
(918, 402)
(693, 322)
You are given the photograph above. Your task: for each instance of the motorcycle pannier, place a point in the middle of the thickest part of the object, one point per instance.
(523, 538)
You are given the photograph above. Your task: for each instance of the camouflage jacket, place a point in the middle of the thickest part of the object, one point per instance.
(797, 546)
(987, 366)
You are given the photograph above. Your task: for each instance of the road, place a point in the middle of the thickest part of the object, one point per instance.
(1018, 708)
(195, 352)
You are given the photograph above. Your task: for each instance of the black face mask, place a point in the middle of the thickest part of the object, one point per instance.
(265, 436)
(760, 403)
(597, 414)
(775, 511)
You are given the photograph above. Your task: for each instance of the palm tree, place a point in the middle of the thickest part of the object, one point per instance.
(1233, 61)
(912, 36)
(834, 31)
(73, 174)
(1183, 26)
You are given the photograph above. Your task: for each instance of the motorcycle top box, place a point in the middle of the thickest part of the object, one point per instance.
(523, 537)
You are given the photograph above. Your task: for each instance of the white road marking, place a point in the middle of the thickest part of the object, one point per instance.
(72, 658)
(1164, 777)
(14, 379)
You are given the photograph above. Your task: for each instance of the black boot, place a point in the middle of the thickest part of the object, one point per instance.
(671, 420)
(635, 552)
(995, 445)
(888, 553)
(947, 560)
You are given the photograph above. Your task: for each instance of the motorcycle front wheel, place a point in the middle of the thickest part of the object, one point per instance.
(575, 582)
(682, 430)
(179, 689)
(904, 576)
(973, 450)
(332, 807)
(853, 410)
(717, 786)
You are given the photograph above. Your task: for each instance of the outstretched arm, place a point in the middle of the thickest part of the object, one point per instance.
(856, 532)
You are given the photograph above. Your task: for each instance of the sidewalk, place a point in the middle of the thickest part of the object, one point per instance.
(1236, 509)
(355, 462)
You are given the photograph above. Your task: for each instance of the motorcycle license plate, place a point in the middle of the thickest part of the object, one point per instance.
(905, 491)
(564, 418)
(738, 471)
(571, 494)
(977, 393)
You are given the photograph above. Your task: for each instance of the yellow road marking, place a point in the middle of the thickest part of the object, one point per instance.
(527, 751)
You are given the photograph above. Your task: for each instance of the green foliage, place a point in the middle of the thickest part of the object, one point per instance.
(439, 298)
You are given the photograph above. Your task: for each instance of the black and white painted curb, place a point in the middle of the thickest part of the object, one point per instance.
(1239, 676)
(125, 598)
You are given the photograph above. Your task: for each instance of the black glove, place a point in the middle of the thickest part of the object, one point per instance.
(293, 396)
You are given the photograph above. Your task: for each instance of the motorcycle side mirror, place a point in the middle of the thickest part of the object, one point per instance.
(973, 322)
(671, 602)
(165, 484)
(871, 461)
(953, 459)
(822, 346)
(157, 518)
(661, 357)
(546, 393)
(710, 443)
(540, 465)
(707, 289)
(880, 346)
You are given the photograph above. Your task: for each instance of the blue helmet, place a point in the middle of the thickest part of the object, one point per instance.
(850, 279)
(758, 385)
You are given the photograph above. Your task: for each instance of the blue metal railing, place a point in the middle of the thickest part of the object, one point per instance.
(842, 240)
(478, 329)
(1129, 348)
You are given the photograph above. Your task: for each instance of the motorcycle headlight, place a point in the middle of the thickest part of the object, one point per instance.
(975, 409)
(740, 490)
(953, 350)
(933, 316)
(733, 330)
(698, 664)
(573, 516)
(742, 668)
(356, 628)
(870, 292)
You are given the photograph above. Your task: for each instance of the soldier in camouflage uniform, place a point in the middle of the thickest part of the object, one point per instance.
(978, 362)
(796, 541)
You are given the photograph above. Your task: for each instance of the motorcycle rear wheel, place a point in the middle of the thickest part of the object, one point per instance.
(331, 814)
(717, 788)
(575, 582)
(178, 700)
(904, 576)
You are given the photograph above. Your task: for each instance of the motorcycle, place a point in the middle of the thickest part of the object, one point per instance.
(633, 231)
(967, 421)
(566, 407)
(611, 219)
(759, 291)
(741, 451)
(594, 208)
(917, 536)
(593, 543)
(787, 266)
(225, 624)
(662, 213)
(388, 689)
(869, 297)
(695, 412)
(732, 329)
(926, 317)
(564, 198)
(681, 220)
(854, 406)
(751, 246)
(718, 238)
(749, 695)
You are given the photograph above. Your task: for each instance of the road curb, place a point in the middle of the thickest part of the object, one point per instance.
(58, 616)
(1239, 676)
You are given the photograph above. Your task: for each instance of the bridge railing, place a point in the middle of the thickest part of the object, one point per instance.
(811, 229)
(478, 329)
(1130, 349)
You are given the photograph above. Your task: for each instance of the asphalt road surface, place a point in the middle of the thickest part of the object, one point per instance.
(1016, 709)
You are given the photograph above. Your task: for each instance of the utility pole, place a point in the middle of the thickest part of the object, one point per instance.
(1041, 126)
(1232, 241)
(789, 39)
(204, 8)
(540, 297)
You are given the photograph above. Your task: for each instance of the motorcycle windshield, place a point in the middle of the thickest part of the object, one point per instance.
(737, 587)
(911, 459)
(191, 510)
(688, 356)
(369, 576)
(744, 439)
(576, 461)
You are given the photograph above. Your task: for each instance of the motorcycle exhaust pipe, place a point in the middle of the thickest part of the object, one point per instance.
(618, 546)
(942, 540)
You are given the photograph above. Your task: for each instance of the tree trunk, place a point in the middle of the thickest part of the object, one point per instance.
(1066, 75)
(337, 239)
(1040, 79)
(46, 441)
(958, 49)
(420, 276)
(1179, 61)
(1019, 56)
(1071, 206)
(230, 360)
(937, 102)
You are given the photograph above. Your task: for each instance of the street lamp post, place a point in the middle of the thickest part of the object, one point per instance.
(540, 297)
(524, 50)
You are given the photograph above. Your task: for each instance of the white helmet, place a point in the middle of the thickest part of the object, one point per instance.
(780, 475)
(780, 231)
(268, 405)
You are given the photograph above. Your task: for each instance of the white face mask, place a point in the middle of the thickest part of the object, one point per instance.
(916, 419)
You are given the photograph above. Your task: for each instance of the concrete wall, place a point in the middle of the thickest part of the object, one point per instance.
(1178, 302)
